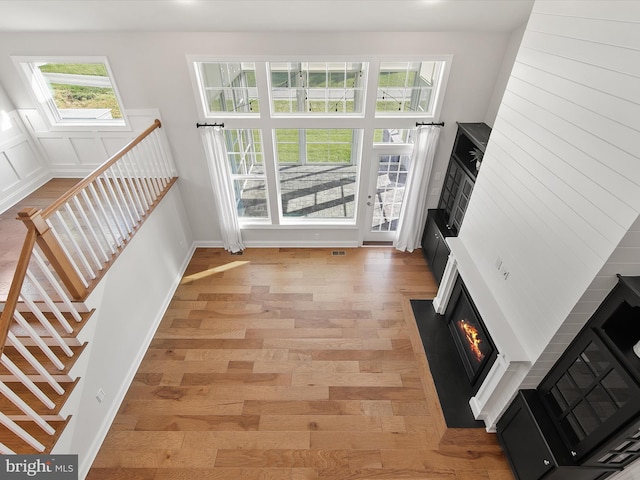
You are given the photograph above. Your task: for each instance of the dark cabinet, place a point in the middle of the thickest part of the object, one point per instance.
(445, 221)
(434, 245)
(593, 391)
(534, 449)
(589, 401)
(466, 157)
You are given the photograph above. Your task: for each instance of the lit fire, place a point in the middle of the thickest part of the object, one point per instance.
(472, 336)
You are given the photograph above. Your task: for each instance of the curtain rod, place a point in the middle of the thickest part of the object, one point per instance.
(437, 124)
(198, 125)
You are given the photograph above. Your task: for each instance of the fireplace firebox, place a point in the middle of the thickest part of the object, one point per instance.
(470, 334)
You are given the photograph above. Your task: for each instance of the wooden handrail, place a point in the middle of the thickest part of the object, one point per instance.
(73, 191)
(16, 285)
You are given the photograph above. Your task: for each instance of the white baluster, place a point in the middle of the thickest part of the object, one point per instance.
(27, 382)
(157, 162)
(4, 450)
(107, 200)
(89, 224)
(33, 361)
(56, 285)
(63, 245)
(126, 187)
(122, 219)
(37, 339)
(118, 189)
(83, 237)
(74, 244)
(136, 188)
(26, 409)
(21, 433)
(144, 179)
(49, 302)
(44, 321)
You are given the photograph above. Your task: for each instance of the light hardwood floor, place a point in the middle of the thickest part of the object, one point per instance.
(298, 365)
(12, 231)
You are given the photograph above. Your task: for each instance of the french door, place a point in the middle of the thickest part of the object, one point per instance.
(385, 193)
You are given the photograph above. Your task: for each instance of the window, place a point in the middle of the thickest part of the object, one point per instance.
(244, 149)
(295, 131)
(320, 181)
(317, 87)
(228, 87)
(408, 87)
(75, 92)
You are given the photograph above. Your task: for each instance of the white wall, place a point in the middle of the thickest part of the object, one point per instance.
(558, 195)
(130, 302)
(504, 73)
(151, 70)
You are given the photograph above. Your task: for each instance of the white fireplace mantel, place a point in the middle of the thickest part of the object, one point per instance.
(513, 362)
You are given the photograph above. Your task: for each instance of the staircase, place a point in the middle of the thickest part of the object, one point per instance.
(68, 248)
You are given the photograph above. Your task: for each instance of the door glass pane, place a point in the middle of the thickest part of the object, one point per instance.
(601, 403)
(572, 428)
(585, 416)
(617, 388)
(581, 374)
(391, 180)
(568, 389)
(317, 171)
(597, 361)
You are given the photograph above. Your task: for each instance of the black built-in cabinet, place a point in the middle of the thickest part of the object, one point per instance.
(589, 400)
(445, 221)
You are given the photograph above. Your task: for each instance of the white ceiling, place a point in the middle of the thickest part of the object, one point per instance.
(263, 15)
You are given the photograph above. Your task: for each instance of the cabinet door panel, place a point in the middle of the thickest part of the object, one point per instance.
(589, 394)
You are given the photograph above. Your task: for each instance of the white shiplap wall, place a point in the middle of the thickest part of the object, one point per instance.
(558, 196)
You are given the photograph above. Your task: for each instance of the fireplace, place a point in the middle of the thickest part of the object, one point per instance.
(470, 335)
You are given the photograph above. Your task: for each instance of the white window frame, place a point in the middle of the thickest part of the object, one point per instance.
(33, 78)
(268, 122)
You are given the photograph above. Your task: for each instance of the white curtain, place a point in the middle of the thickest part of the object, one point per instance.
(414, 204)
(223, 191)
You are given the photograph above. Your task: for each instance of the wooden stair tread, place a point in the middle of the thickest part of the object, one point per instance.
(19, 446)
(9, 409)
(18, 331)
(28, 369)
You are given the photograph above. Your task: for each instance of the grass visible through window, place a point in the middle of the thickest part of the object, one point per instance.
(72, 96)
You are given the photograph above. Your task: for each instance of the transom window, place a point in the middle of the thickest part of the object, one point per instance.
(408, 87)
(76, 92)
(228, 87)
(316, 87)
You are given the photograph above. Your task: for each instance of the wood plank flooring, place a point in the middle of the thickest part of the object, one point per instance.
(12, 231)
(299, 365)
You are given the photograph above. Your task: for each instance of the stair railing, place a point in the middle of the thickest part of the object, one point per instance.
(68, 248)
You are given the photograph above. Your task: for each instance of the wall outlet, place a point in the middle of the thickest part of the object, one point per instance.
(100, 396)
(317, 236)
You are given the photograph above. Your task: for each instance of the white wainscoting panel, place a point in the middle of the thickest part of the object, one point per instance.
(22, 166)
